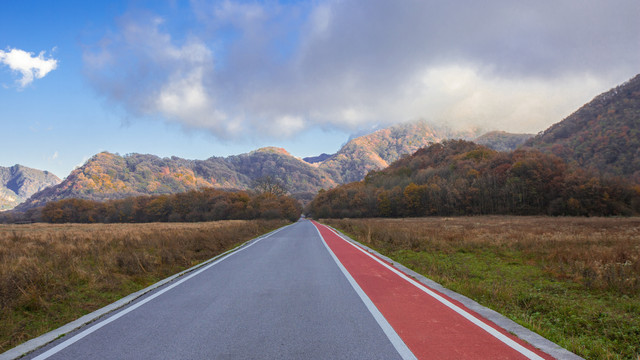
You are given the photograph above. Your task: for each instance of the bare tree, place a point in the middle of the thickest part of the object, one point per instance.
(269, 185)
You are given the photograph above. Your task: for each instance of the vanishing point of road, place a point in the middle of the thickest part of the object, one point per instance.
(302, 292)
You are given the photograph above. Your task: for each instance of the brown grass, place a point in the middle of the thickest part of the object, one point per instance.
(52, 274)
(575, 281)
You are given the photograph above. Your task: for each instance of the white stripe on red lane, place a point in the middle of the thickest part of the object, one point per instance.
(388, 330)
(432, 325)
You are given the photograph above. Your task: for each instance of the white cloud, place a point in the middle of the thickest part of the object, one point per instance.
(320, 19)
(286, 125)
(157, 76)
(463, 96)
(276, 68)
(28, 65)
(238, 13)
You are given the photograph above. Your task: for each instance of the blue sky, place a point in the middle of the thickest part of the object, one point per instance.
(202, 78)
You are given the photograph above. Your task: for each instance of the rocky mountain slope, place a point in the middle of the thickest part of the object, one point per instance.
(19, 182)
(602, 136)
(377, 150)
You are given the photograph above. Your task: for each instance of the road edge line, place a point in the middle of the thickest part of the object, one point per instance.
(500, 320)
(53, 335)
(395, 339)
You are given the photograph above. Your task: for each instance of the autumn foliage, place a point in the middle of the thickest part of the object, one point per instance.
(196, 205)
(462, 178)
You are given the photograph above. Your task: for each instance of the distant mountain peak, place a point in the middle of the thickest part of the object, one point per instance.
(317, 159)
(272, 150)
(18, 182)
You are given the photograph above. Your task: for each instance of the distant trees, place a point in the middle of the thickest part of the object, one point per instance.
(196, 205)
(461, 178)
(269, 185)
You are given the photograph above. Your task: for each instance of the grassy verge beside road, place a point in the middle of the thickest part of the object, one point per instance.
(575, 281)
(53, 274)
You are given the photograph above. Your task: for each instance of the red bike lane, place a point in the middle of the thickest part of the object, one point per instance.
(432, 325)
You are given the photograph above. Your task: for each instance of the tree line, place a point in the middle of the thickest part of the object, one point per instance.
(197, 205)
(457, 177)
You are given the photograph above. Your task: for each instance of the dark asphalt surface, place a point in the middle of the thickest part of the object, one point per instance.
(284, 297)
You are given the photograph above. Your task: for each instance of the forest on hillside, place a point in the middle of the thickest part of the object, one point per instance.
(457, 177)
(602, 136)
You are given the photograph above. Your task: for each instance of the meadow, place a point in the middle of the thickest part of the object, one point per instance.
(52, 274)
(575, 281)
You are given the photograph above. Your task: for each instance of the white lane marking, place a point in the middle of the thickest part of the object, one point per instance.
(388, 330)
(500, 336)
(129, 309)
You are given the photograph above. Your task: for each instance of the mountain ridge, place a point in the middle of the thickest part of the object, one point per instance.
(108, 176)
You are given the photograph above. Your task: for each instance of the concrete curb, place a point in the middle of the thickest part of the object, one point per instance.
(42, 340)
(509, 325)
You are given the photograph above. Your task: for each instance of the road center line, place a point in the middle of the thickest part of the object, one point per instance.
(129, 309)
(497, 334)
(395, 339)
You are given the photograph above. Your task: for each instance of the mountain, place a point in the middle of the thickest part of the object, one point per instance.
(602, 136)
(111, 176)
(19, 182)
(377, 150)
(502, 141)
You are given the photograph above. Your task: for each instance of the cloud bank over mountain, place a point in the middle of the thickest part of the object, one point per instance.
(274, 69)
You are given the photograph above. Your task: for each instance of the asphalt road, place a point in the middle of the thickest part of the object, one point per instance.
(283, 297)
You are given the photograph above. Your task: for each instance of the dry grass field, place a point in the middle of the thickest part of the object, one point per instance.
(575, 281)
(53, 274)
